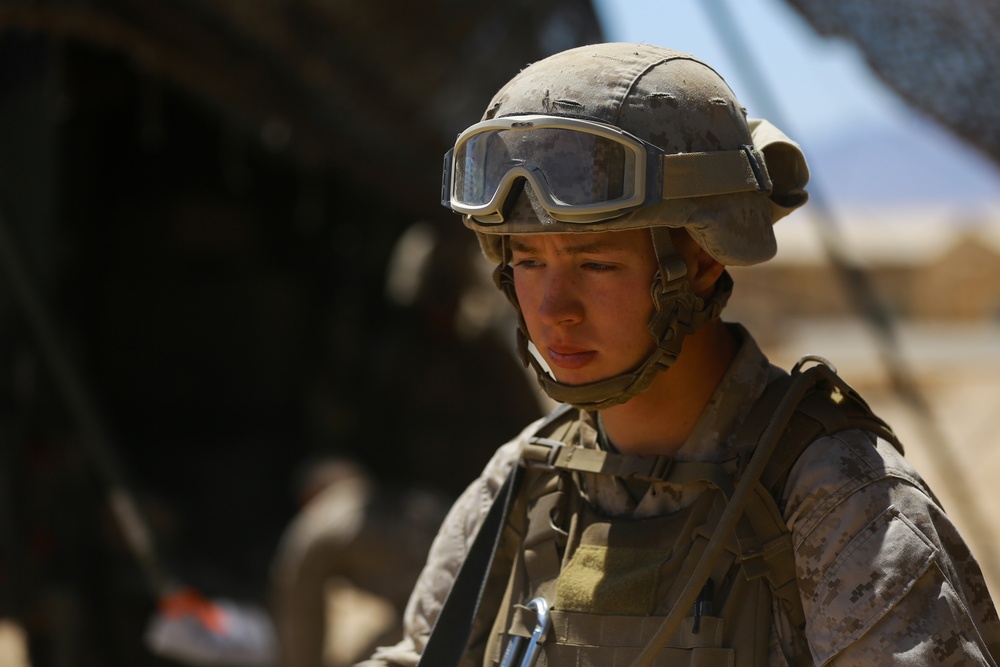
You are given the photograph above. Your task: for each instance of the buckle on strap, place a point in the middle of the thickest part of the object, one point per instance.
(542, 451)
(556, 454)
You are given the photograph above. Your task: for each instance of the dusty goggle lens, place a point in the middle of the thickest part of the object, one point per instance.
(581, 170)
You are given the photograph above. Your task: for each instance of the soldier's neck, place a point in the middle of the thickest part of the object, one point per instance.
(660, 419)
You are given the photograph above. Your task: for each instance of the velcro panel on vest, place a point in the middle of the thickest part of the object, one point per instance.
(623, 578)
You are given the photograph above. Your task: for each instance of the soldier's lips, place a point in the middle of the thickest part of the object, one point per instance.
(570, 359)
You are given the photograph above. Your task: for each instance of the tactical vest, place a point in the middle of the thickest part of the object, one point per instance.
(611, 582)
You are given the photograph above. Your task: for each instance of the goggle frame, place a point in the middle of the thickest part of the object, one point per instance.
(645, 183)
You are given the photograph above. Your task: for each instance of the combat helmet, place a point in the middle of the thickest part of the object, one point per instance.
(625, 136)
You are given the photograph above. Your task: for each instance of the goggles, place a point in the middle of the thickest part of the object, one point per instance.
(583, 171)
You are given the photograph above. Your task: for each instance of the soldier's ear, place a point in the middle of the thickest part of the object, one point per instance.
(703, 270)
(705, 273)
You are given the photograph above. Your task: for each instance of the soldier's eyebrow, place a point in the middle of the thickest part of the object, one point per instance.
(582, 248)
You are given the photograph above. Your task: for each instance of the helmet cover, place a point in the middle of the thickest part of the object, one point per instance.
(681, 105)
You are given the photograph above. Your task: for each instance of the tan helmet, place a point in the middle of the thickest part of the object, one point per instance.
(625, 136)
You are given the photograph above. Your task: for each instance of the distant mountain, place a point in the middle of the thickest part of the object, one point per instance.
(913, 161)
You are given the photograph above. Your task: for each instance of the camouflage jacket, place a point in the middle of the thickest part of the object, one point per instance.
(884, 576)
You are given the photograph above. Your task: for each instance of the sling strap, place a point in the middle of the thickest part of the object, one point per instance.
(451, 631)
(453, 626)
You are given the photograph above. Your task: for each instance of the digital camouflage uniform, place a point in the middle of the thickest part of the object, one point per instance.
(884, 576)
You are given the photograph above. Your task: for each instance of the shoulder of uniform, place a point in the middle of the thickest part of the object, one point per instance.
(820, 403)
(858, 455)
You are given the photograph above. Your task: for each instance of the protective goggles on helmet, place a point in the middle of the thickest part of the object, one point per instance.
(583, 170)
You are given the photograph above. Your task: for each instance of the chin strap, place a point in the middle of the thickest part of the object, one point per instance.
(678, 313)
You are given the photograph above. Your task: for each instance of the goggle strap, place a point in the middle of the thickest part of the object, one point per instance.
(714, 173)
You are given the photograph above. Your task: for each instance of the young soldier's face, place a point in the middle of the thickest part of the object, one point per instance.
(585, 298)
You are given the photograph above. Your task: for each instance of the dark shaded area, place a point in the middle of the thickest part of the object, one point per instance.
(206, 197)
(941, 57)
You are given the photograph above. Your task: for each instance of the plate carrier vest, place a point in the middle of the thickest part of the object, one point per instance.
(697, 587)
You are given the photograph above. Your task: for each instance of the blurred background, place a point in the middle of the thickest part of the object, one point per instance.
(225, 271)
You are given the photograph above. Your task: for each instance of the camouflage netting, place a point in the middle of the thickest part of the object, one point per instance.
(942, 57)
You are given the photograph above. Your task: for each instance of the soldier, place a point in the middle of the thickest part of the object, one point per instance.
(358, 542)
(691, 504)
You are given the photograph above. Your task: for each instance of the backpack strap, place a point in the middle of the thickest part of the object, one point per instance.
(830, 407)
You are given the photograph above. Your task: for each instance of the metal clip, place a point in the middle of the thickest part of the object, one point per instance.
(530, 651)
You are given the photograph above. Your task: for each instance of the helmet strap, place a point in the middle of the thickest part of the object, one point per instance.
(678, 312)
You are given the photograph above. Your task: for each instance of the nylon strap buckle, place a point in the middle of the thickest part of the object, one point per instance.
(543, 451)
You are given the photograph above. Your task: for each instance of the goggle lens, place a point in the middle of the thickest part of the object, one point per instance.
(576, 168)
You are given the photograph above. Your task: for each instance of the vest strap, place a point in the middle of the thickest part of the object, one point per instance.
(802, 384)
(559, 456)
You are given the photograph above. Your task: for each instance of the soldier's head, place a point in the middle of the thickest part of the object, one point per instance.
(617, 137)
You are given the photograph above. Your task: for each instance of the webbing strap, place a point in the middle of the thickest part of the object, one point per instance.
(835, 408)
(782, 431)
(556, 454)
(540, 547)
(714, 173)
(578, 628)
(451, 631)
(766, 550)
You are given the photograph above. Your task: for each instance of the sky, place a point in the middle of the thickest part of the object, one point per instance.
(821, 84)
(824, 96)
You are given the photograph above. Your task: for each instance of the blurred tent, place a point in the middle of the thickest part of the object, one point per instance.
(206, 197)
(941, 57)
(372, 89)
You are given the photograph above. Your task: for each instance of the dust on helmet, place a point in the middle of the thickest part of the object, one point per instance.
(625, 136)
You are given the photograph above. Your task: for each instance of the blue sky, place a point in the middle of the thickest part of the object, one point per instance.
(826, 98)
(821, 84)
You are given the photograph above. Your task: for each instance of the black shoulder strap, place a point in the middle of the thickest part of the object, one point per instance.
(450, 635)
(451, 631)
